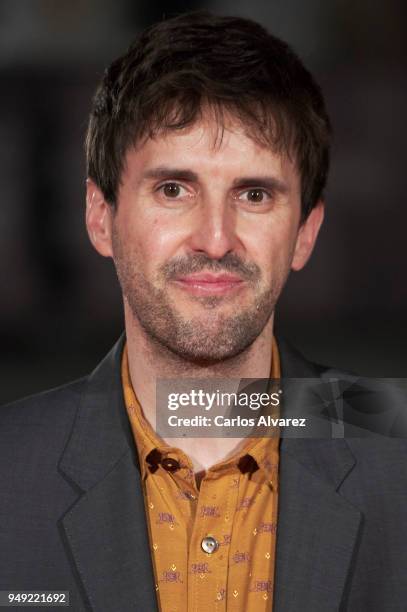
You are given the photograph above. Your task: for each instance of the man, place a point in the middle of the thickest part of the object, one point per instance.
(207, 152)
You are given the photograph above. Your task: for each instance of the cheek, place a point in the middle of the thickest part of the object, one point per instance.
(154, 240)
(271, 248)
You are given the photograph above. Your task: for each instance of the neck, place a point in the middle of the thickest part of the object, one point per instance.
(149, 361)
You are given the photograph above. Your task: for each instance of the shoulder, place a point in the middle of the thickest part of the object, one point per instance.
(294, 364)
(38, 407)
(42, 421)
(51, 414)
(33, 434)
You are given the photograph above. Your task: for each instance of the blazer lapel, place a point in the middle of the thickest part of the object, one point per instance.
(105, 532)
(317, 528)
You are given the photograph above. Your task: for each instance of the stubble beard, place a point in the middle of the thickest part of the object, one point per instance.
(206, 339)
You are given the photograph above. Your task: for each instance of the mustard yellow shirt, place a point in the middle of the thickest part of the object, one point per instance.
(235, 507)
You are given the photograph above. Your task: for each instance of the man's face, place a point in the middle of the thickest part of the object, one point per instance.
(203, 238)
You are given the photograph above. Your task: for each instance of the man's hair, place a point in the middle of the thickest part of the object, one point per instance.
(179, 68)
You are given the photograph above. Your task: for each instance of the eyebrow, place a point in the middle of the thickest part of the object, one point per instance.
(162, 172)
(166, 172)
(268, 182)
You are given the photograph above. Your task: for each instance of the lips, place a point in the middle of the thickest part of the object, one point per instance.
(206, 283)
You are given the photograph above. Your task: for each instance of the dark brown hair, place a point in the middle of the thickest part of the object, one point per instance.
(185, 64)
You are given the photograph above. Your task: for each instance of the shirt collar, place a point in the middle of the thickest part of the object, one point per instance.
(264, 451)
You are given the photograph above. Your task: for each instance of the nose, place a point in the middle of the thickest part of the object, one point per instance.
(214, 231)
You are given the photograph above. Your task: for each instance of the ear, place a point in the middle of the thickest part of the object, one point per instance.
(307, 236)
(98, 219)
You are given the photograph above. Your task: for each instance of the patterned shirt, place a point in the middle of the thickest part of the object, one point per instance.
(234, 511)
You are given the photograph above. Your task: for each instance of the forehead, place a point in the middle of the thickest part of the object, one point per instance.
(210, 148)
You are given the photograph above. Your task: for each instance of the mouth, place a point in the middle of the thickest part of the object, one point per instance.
(209, 284)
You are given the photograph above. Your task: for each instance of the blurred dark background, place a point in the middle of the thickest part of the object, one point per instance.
(60, 307)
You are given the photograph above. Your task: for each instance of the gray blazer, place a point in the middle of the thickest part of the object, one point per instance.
(72, 515)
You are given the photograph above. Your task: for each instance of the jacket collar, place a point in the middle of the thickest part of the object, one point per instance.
(329, 460)
(101, 433)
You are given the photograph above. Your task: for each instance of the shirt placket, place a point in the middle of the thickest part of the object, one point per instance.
(210, 540)
(175, 469)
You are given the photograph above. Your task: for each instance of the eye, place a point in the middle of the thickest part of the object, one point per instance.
(172, 190)
(255, 195)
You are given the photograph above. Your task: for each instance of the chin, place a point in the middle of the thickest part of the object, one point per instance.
(205, 357)
(207, 347)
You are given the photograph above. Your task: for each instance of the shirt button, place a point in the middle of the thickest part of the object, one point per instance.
(189, 495)
(209, 545)
(170, 464)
